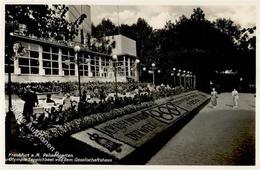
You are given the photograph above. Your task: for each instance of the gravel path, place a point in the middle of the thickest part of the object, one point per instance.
(220, 136)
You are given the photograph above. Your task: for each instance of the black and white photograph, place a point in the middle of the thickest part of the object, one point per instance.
(129, 84)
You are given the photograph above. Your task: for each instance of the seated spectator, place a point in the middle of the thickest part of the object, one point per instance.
(49, 100)
(102, 94)
(84, 96)
(67, 101)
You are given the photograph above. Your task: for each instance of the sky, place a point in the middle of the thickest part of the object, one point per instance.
(157, 16)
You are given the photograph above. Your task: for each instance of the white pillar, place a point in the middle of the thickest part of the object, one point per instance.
(100, 66)
(129, 66)
(41, 70)
(111, 69)
(89, 69)
(76, 65)
(124, 66)
(60, 62)
(136, 71)
(17, 69)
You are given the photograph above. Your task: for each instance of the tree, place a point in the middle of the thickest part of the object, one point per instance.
(42, 21)
(105, 28)
(247, 55)
(142, 35)
(197, 15)
(100, 34)
(196, 44)
(228, 27)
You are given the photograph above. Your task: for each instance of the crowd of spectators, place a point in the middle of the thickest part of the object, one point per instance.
(69, 109)
(92, 88)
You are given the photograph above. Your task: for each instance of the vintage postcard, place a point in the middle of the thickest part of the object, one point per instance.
(123, 83)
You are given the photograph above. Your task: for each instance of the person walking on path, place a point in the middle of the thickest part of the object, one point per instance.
(214, 98)
(235, 96)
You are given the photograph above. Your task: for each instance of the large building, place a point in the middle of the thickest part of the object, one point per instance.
(47, 60)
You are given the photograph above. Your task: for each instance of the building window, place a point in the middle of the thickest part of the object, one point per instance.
(68, 59)
(83, 68)
(126, 66)
(120, 67)
(132, 65)
(50, 60)
(105, 67)
(11, 64)
(94, 65)
(29, 62)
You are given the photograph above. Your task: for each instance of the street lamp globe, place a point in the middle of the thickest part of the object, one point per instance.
(153, 64)
(150, 71)
(180, 70)
(77, 48)
(137, 61)
(172, 74)
(159, 71)
(174, 69)
(184, 71)
(114, 57)
(144, 69)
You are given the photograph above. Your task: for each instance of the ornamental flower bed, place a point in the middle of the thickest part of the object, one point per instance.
(81, 123)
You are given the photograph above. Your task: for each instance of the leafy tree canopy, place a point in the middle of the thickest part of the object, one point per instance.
(42, 21)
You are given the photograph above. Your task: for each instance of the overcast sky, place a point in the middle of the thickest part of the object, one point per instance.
(156, 16)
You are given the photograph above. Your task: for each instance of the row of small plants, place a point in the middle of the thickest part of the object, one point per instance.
(68, 124)
(81, 123)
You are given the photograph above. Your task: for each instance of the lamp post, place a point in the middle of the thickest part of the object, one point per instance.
(179, 75)
(194, 81)
(77, 50)
(114, 57)
(9, 86)
(174, 69)
(240, 83)
(18, 50)
(191, 79)
(10, 121)
(173, 82)
(78, 62)
(188, 79)
(137, 61)
(184, 78)
(153, 69)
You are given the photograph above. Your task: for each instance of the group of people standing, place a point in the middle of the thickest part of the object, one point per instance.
(214, 97)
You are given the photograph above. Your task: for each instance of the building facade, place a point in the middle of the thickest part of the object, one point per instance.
(49, 60)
